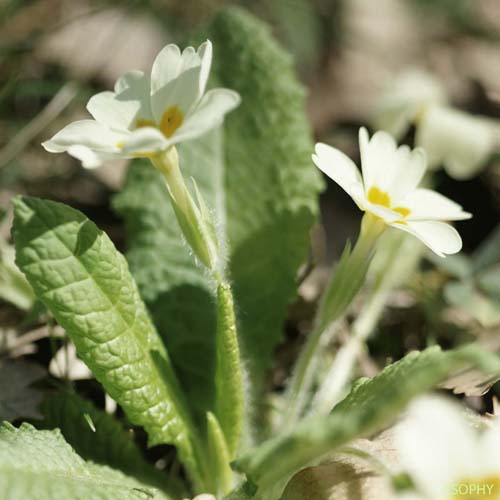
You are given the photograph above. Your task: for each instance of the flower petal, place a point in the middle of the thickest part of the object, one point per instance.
(378, 159)
(89, 133)
(144, 141)
(166, 66)
(205, 54)
(395, 120)
(339, 167)
(425, 204)
(461, 142)
(208, 114)
(410, 169)
(90, 159)
(489, 445)
(386, 214)
(130, 80)
(392, 170)
(179, 79)
(440, 237)
(112, 112)
(435, 445)
(181, 92)
(404, 97)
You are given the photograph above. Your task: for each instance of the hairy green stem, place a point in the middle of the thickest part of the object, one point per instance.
(225, 424)
(194, 218)
(345, 282)
(399, 261)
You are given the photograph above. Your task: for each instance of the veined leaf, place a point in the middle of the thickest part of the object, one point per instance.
(258, 178)
(109, 444)
(370, 405)
(77, 273)
(40, 465)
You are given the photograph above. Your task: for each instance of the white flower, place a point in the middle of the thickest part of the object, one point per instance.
(389, 189)
(459, 141)
(446, 458)
(146, 115)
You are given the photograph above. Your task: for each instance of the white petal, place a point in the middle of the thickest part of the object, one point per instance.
(90, 159)
(461, 142)
(205, 54)
(392, 170)
(404, 97)
(395, 120)
(425, 204)
(182, 91)
(129, 80)
(489, 443)
(179, 79)
(114, 113)
(386, 214)
(166, 67)
(440, 237)
(378, 159)
(435, 445)
(89, 133)
(145, 140)
(338, 166)
(208, 114)
(121, 109)
(410, 168)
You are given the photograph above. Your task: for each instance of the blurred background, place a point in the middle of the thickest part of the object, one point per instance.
(349, 54)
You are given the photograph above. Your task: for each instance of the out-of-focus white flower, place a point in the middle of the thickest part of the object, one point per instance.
(389, 189)
(446, 458)
(146, 114)
(459, 141)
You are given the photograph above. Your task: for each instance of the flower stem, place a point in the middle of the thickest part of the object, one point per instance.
(345, 282)
(400, 259)
(194, 218)
(195, 221)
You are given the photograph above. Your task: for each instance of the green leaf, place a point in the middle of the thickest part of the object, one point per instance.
(40, 465)
(13, 285)
(110, 444)
(258, 178)
(78, 274)
(371, 405)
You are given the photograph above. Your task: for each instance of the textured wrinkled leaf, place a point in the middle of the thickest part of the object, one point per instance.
(40, 465)
(370, 405)
(17, 398)
(269, 202)
(109, 444)
(78, 274)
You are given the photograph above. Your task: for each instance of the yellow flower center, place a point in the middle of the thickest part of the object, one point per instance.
(171, 120)
(487, 488)
(379, 197)
(140, 123)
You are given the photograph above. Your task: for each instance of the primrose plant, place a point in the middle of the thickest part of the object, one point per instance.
(184, 346)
